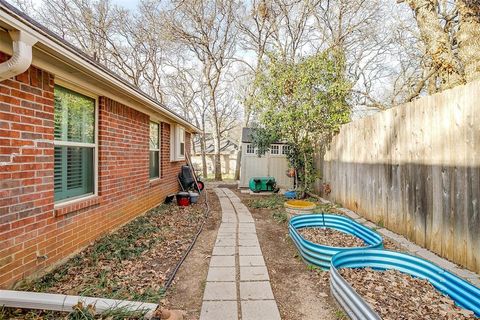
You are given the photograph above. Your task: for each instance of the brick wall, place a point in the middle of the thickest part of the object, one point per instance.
(33, 233)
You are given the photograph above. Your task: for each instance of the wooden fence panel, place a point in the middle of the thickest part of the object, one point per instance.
(416, 169)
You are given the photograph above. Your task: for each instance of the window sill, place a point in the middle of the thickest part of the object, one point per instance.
(154, 182)
(62, 209)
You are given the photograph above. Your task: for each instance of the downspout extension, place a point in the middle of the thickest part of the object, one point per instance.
(21, 57)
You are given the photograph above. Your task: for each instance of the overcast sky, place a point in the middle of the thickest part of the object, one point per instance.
(128, 4)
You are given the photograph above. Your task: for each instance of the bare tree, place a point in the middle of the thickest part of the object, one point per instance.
(468, 37)
(256, 28)
(207, 29)
(437, 42)
(450, 32)
(190, 97)
(85, 23)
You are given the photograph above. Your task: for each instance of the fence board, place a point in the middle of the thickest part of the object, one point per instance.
(416, 168)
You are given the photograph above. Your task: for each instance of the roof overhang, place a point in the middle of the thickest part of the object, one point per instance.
(54, 53)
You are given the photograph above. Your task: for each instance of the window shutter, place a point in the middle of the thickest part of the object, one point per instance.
(73, 172)
(58, 170)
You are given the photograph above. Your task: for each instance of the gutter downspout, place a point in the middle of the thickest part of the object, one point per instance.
(21, 57)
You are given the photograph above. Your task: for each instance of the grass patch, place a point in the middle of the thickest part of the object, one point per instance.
(274, 201)
(340, 315)
(380, 223)
(11, 313)
(326, 208)
(280, 216)
(312, 267)
(82, 312)
(315, 269)
(79, 312)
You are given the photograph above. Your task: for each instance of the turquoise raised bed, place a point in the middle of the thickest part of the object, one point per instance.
(462, 292)
(321, 255)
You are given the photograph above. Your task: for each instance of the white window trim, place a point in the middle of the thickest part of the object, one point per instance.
(159, 149)
(279, 150)
(285, 146)
(246, 149)
(175, 130)
(181, 139)
(64, 202)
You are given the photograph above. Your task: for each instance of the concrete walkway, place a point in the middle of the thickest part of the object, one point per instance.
(238, 285)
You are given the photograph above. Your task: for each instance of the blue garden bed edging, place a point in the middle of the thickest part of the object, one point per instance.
(321, 255)
(462, 292)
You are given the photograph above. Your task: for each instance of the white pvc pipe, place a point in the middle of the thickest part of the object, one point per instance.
(65, 303)
(21, 57)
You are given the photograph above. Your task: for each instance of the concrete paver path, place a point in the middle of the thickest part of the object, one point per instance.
(238, 285)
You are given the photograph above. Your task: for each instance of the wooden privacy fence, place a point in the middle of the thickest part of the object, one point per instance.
(416, 169)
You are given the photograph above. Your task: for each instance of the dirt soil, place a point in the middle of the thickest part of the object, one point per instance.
(301, 292)
(331, 237)
(187, 292)
(395, 295)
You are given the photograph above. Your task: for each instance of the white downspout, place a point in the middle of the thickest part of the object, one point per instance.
(21, 56)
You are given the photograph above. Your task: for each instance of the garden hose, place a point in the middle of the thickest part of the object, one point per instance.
(170, 279)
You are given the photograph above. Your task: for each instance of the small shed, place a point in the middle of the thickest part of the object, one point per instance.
(273, 164)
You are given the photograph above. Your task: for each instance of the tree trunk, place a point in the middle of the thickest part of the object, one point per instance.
(468, 37)
(437, 43)
(203, 144)
(194, 149)
(246, 122)
(217, 159)
(432, 83)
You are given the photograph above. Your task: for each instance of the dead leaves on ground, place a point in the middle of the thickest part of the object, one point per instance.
(330, 237)
(132, 263)
(395, 295)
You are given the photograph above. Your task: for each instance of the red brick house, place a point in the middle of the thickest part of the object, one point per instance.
(81, 151)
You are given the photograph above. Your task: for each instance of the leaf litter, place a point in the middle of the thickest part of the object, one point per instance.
(330, 237)
(132, 263)
(398, 296)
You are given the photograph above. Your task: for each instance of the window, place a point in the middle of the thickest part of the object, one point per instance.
(181, 142)
(275, 149)
(285, 149)
(178, 143)
(74, 144)
(250, 149)
(154, 150)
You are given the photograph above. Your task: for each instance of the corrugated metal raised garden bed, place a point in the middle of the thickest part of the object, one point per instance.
(463, 294)
(320, 255)
(390, 284)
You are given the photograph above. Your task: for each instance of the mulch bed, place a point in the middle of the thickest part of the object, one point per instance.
(132, 263)
(395, 295)
(330, 237)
